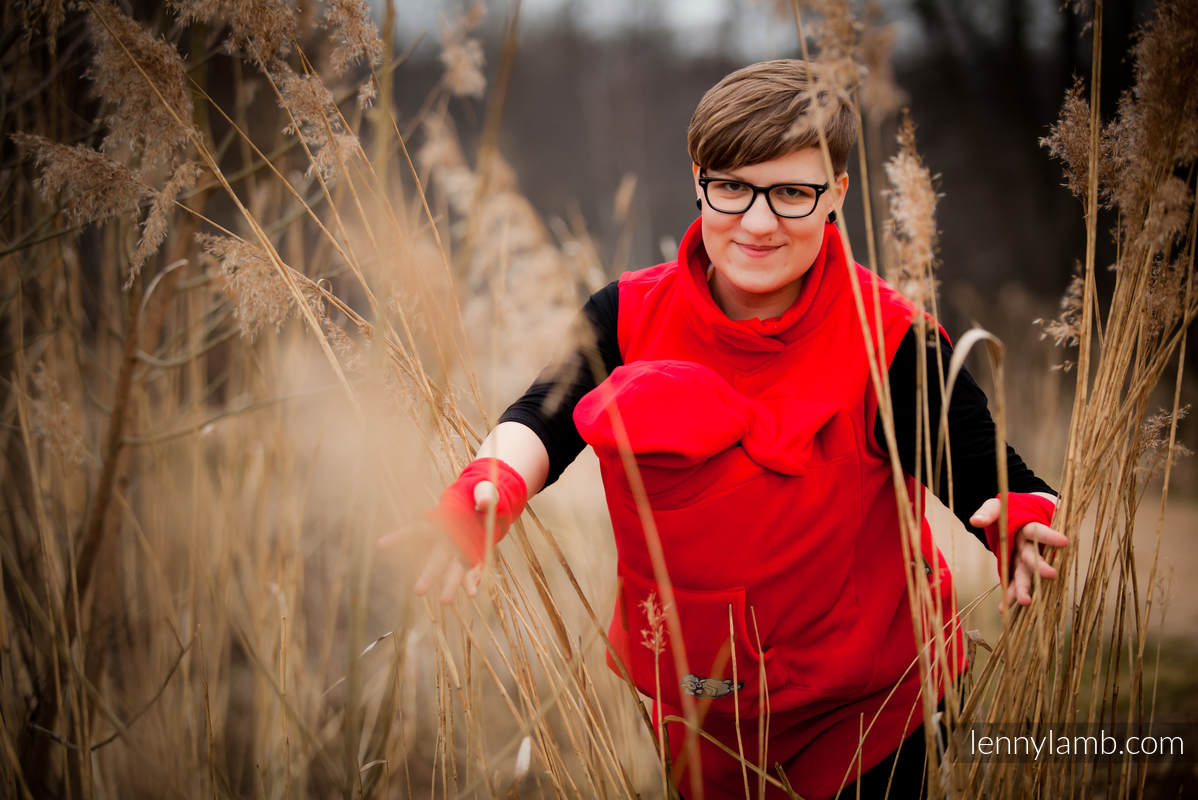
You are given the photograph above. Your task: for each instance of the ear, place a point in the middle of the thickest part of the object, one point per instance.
(840, 187)
(695, 176)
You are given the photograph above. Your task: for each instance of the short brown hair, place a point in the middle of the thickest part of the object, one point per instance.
(763, 111)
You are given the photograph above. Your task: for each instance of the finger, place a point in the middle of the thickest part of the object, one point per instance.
(473, 579)
(1008, 598)
(987, 513)
(485, 496)
(1023, 585)
(1031, 561)
(1039, 532)
(453, 577)
(1034, 562)
(432, 568)
(388, 540)
(1046, 570)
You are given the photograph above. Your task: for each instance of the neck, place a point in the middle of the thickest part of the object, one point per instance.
(741, 305)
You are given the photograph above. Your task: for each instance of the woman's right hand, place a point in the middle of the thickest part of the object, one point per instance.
(447, 566)
(476, 510)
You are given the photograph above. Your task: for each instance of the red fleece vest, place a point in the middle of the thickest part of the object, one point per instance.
(755, 442)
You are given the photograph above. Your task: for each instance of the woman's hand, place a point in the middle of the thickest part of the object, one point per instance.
(1026, 554)
(447, 566)
(476, 510)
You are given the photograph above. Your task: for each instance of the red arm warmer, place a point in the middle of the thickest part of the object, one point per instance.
(1022, 508)
(456, 513)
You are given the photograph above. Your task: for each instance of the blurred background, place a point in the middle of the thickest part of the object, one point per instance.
(599, 92)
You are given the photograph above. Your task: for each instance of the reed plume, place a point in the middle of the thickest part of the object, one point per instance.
(356, 34)
(143, 86)
(91, 186)
(264, 30)
(910, 236)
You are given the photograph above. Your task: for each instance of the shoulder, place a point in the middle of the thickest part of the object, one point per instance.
(643, 294)
(900, 317)
(890, 296)
(649, 285)
(602, 307)
(895, 305)
(649, 275)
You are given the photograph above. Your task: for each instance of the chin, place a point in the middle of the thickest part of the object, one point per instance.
(759, 288)
(763, 289)
(757, 282)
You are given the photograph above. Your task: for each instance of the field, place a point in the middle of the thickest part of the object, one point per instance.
(256, 318)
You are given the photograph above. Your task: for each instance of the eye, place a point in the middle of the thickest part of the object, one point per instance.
(729, 187)
(794, 192)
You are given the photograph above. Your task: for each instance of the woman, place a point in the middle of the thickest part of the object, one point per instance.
(738, 378)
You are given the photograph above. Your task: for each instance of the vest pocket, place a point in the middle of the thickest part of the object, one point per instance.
(721, 661)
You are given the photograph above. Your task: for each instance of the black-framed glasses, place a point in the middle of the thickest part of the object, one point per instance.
(789, 200)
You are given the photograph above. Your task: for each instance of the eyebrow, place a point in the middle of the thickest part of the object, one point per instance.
(728, 175)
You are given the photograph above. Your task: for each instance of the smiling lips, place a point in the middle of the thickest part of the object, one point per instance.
(755, 250)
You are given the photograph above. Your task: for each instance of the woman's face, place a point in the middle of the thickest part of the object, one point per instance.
(759, 257)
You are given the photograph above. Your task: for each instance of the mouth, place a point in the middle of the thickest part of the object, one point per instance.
(756, 251)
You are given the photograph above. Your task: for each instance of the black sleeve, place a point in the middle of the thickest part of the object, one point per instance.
(970, 433)
(548, 405)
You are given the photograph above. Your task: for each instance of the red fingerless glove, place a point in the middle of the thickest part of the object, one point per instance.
(456, 513)
(1022, 508)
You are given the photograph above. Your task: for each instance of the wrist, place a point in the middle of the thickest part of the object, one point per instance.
(1022, 508)
(472, 529)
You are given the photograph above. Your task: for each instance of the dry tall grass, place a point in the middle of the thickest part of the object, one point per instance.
(242, 318)
(1087, 640)
(221, 398)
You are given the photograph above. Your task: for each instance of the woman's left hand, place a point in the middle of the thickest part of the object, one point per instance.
(1026, 554)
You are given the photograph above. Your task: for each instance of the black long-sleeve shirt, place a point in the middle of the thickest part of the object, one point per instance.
(547, 407)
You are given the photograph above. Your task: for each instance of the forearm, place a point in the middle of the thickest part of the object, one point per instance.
(521, 449)
(971, 434)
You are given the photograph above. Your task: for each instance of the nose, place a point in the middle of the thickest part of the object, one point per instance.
(759, 218)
